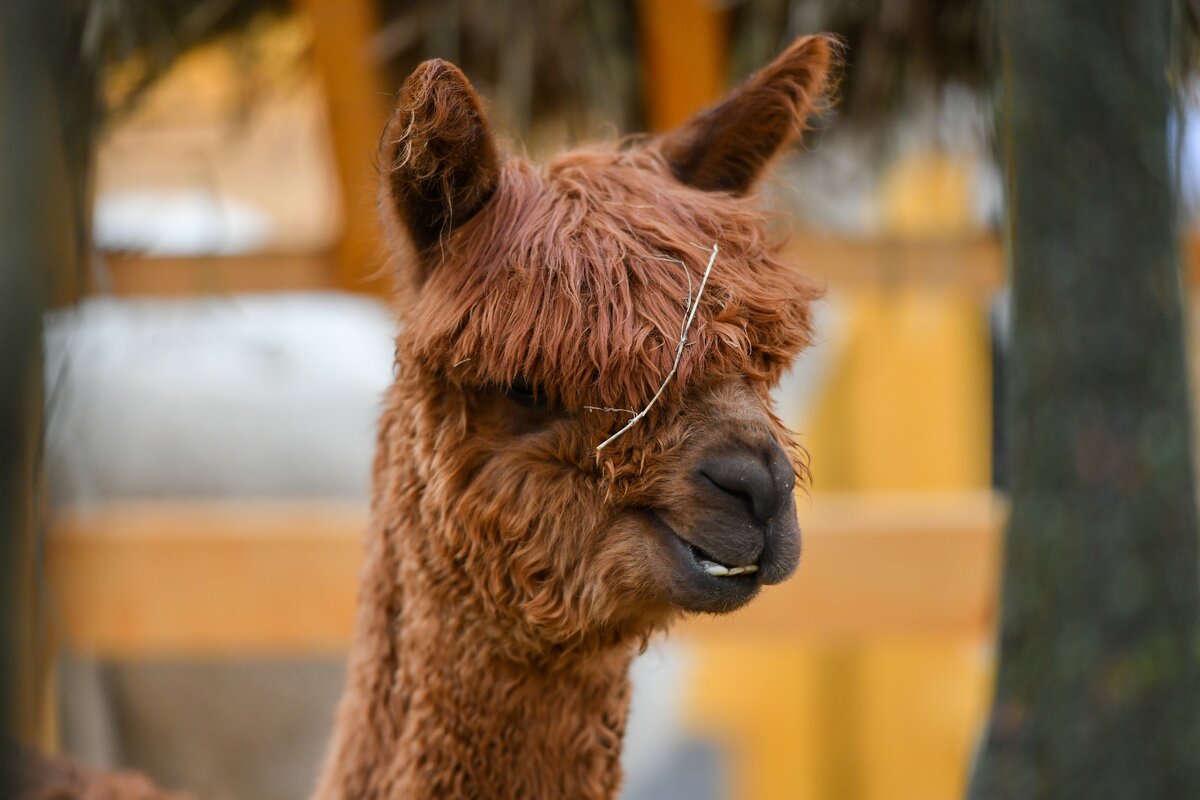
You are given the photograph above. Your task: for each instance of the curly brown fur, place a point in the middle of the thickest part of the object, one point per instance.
(512, 571)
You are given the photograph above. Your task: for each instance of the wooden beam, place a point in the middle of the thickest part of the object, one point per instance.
(973, 263)
(187, 579)
(206, 579)
(357, 101)
(684, 58)
(143, 276)
(976, 264)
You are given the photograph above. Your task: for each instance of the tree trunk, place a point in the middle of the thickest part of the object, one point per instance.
(33, 191)
(1098, 690)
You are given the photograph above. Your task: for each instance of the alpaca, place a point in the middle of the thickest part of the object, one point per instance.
(520, 554)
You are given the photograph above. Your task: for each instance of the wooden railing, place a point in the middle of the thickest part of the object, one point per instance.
(974, 264)
(184, 578)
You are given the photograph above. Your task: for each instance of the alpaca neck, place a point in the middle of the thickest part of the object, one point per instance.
(438, 705)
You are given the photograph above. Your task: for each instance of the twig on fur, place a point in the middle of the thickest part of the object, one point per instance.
(629, 411)
(686, 273)
(687, 324)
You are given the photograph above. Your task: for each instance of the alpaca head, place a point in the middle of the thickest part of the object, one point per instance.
(543, 306)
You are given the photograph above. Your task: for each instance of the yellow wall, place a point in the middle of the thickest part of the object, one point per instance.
(908, 406)
(895, 720)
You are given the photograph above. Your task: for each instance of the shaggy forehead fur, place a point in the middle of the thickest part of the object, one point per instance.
(570, 279)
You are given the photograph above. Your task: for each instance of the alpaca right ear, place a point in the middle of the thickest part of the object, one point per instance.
(727, 147)
(438, 157)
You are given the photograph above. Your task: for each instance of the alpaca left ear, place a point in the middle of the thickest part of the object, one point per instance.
(726, 148)
(438, 157)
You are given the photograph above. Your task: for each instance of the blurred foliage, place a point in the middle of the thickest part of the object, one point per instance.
(1189, 35)
(896, 47)
(574, 62)
(892, 46)
(140, 39)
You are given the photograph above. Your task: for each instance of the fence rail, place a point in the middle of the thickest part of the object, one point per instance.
(188, 578)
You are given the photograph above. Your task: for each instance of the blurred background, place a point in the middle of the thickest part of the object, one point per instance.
(219, 339)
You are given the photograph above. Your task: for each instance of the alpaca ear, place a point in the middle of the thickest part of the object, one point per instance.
(439, 158)
(727, 147)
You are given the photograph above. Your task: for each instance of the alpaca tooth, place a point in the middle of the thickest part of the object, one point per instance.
(750, 568)
(714, 569)
(736, 570)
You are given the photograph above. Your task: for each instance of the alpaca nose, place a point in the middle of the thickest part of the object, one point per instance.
(761, 481)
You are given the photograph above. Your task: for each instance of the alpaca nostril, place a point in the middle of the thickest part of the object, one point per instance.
(746, 475)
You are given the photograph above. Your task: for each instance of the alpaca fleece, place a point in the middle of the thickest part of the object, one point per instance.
(510, 578)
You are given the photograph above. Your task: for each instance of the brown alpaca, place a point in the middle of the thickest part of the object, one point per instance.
(513, 570)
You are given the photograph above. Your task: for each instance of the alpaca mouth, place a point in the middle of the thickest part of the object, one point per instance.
(712, 566)
(698, 560)
(698, 580)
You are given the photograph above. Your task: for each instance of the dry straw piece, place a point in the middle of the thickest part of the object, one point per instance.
(687, 324)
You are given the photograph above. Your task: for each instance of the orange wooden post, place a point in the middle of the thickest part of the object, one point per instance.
(357, 103)
(684, 58)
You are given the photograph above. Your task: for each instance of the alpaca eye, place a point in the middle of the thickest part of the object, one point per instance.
(525, 394)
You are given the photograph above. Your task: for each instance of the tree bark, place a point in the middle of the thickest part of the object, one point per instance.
(27, 249)
(1098, 688)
